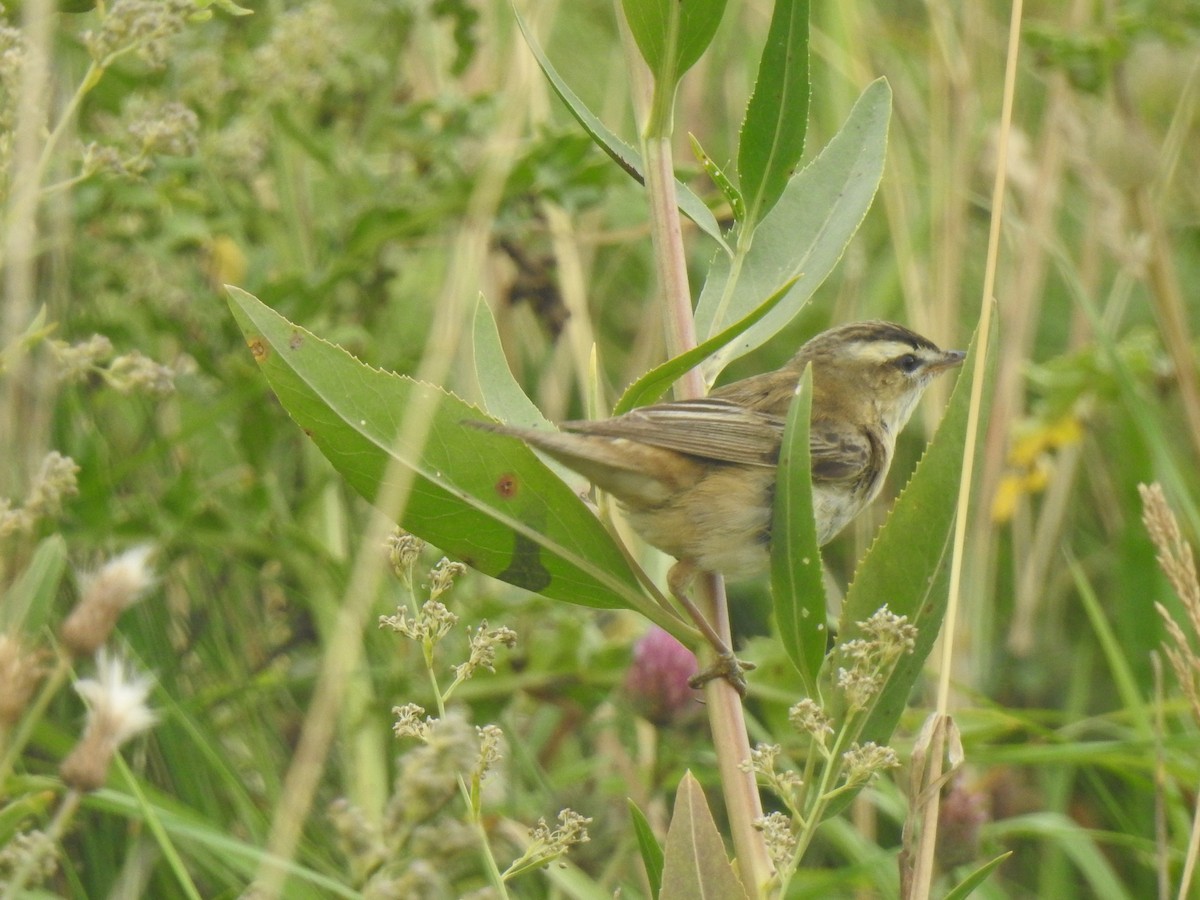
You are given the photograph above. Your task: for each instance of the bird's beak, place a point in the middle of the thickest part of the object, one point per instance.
(950, 359)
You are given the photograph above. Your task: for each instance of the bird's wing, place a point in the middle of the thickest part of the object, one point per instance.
(707, 428)
(841, 452)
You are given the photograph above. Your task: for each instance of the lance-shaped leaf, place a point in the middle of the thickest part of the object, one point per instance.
(655, 383)
(502, 396)
(695, 864)
(906, 567)
(29, 600)
(652, 853)
(718, 177)
(966, 887)
(797, 588)
(481, 497)
(672, 35)
(620, 152)
(804, 236)
(772, 139)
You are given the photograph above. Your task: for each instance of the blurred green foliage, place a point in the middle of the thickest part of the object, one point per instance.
(324, 157)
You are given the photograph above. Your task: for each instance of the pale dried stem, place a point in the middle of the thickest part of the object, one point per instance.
(1034, 570)
(924, 866)
(23, 422)
(345, 642)
(1147, 203)
(1162, 847)
(1189, 861)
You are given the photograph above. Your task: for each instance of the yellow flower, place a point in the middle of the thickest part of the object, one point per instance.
(1014, 485)
(1030, 461)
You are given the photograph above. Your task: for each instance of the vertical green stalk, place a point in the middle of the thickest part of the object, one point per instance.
(730, 739)
(22, 435)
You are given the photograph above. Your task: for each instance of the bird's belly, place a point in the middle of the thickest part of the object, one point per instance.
(722, 523)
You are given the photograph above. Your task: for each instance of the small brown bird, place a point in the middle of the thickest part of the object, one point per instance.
(696, 478)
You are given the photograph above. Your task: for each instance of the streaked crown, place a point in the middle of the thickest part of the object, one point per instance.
(878, 366)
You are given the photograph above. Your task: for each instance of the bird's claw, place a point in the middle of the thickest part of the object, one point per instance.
(728, 667)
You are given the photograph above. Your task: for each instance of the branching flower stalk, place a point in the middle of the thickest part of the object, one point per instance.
(127, 373)
(127, 26)
(550, 843)
(54, 483)
(836, 761)
(428, 623)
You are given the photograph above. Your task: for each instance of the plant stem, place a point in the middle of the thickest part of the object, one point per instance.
(58, 826)
(923, 870)
(732, 743)
(667, 234)
(1193, 852)
(13, 743)
(344, 644)
(1146, 204)
(730, 739)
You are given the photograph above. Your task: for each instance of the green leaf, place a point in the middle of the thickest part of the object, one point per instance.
(29, 601)
(672, 35)
(652, 853)
(695, 865)
(718, 177)
(1173, 472)
(481, 497)
(655, 383)
(502, 396)
(1116, 651)
(625, 156)
(1092, 872)
(19, 807)
(772, 138)
(797, 587)
(232, 8)
(906, 565)
(804, 236)
(967, 886)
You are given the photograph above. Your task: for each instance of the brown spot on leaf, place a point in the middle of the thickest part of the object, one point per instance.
(297, 340)
(258, 349)
(507, 485)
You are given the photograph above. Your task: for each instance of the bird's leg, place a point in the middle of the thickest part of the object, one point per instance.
(727, 665)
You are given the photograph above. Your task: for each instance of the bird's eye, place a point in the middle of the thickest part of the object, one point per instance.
(908, 363)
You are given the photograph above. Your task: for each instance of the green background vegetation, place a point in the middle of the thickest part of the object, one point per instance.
(335, 168)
